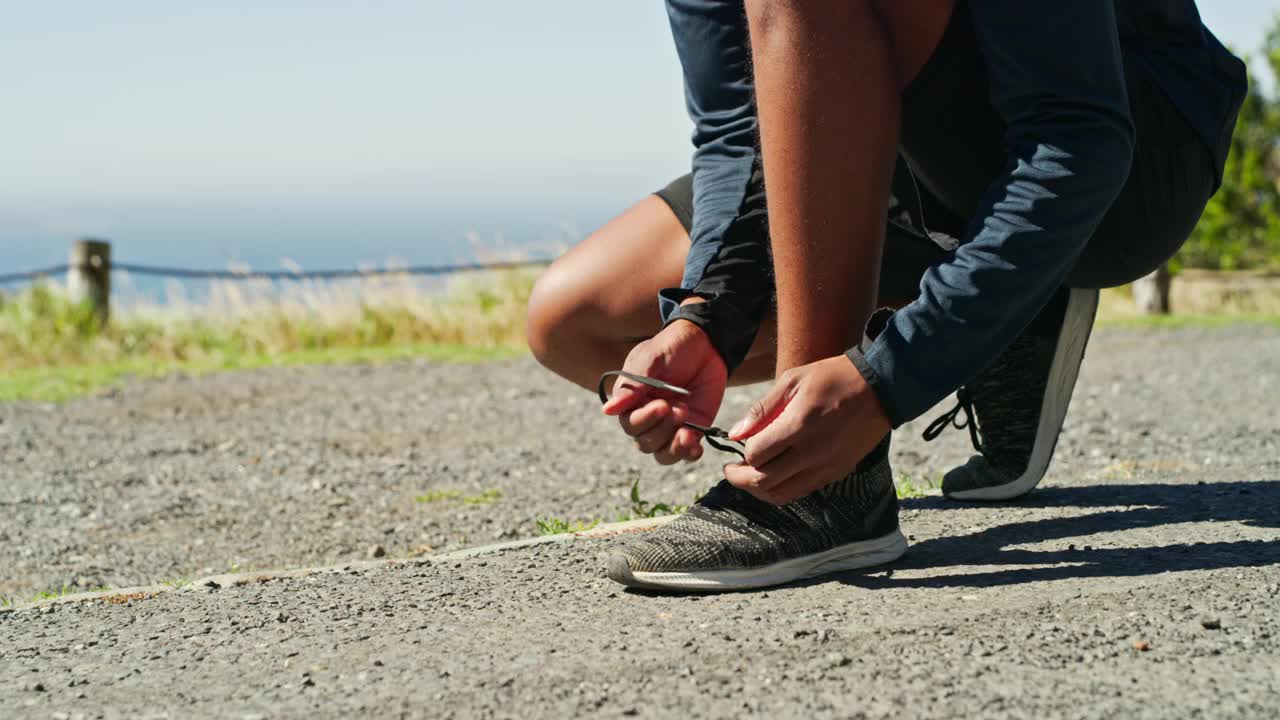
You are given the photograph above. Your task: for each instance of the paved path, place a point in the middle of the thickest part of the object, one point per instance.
(1143, 581)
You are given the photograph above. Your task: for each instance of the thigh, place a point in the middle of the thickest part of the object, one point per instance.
(952, 137)
(914, 28)
(609, 282)
(954, 140)
(1170, 182)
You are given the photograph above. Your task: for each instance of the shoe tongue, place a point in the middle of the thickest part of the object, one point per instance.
(724, 496)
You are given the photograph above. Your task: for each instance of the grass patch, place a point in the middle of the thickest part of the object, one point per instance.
(52, 349)
(1189, 321)
(638, 508)
(485, 497)
(488, 497)
(58, 384)
(1200, 299)
(909, 487)
(641, 508)
(177, 583)
(437, 496)
(64, 591)
(54, 594)
(559, 526)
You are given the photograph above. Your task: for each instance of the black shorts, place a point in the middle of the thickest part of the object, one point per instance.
(1170, 180)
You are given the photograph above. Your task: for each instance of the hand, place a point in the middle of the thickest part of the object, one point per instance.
(681, 354)
(812, 429)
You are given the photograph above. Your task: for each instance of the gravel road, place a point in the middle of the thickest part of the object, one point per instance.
(1142, 579)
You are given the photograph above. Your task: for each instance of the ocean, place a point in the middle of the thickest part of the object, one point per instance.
(277, 233)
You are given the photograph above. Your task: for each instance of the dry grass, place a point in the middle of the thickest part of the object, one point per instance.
(1204, 294)
(41, 328)
(52, 349)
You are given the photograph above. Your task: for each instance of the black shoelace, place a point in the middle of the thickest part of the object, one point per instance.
(717, 438)
(951, 418)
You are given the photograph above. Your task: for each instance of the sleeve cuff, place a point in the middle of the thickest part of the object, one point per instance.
(728, 328)
(903, 391)
(875, 361)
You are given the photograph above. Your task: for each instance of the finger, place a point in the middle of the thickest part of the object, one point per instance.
(798, 486)
(690, 443)
(776, 438)
(747, 478)
(659, 436)
(642, 420)
(684, 445)
(769, 479)
(783, 468)
(743, 476)
(626, 396)
(765, 410)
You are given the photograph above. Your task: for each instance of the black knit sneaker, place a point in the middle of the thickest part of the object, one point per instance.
(729, 540)
(1014, 409)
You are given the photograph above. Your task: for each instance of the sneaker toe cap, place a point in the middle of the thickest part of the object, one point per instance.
(976, 474)
(981, 474)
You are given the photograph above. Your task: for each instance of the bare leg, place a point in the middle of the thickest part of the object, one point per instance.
(828, 181)
(597, 301)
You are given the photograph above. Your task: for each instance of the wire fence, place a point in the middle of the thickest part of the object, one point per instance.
(197, 274)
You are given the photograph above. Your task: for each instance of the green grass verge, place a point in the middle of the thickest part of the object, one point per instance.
(61, 383)
(559, 526)
(57, 384)
(909, 487)
(484, 497)
(1189, 321)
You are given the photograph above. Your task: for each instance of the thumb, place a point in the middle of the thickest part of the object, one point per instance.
(765, 410)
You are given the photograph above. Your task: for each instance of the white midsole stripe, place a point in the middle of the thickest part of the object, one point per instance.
(867, 553)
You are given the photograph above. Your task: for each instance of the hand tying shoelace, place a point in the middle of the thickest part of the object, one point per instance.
(717, 438)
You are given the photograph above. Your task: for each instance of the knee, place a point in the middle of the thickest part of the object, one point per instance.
(792, 20)
(1114, 146)
(554, 320)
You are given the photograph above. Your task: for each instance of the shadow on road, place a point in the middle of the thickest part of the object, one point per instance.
(1255, 504)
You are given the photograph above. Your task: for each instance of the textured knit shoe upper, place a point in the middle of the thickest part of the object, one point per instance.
(1002, 406)
(1006, 401)
(728, 529)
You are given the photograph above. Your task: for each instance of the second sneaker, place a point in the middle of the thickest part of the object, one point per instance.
(1014, 409)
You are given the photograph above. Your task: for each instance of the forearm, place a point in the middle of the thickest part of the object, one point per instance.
(828, 104)
(736, 281)
(1069, 140)
(728, 261)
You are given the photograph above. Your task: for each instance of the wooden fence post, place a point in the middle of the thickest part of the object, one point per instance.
(89, 275)
(1151, 292)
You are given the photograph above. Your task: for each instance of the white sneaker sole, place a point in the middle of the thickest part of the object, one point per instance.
(1077, 324)
(853, 556)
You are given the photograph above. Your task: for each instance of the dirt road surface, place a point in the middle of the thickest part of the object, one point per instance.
(1142, 579)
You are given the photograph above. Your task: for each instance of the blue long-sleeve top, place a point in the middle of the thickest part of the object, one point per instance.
(1057, 82)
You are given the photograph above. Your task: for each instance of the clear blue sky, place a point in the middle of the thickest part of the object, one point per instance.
(487, 108)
